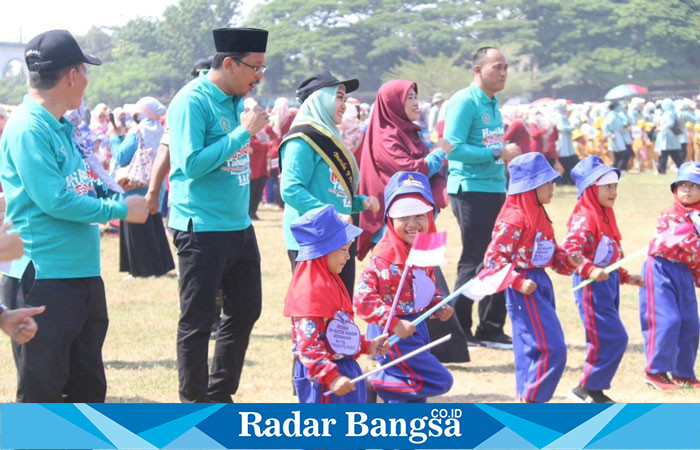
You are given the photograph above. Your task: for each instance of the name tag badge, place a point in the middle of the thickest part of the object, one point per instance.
(343, 335)
(604, 252)
(695, 218)
(542, 251)
(423, 289)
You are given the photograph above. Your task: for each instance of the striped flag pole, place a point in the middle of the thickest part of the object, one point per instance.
(396, 299)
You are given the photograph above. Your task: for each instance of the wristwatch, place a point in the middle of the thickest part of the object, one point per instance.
(496, 152)
(3, 308)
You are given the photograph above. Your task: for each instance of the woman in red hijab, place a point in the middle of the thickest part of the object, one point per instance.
(392, 143)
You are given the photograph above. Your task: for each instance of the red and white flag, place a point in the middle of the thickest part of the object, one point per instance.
(488, 282)
(428, 250)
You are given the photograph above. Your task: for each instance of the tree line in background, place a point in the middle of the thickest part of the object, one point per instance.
(574, 49)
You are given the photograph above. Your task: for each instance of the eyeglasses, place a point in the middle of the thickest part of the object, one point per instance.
(256, 69)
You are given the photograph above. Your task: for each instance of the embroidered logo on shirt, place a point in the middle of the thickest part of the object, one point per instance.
(225, 124)
(486, 118)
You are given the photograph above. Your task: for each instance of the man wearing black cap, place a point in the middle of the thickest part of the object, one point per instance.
(209, 197)
(54, 208)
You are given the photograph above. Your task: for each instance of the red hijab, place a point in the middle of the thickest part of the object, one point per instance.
(679, 207)
(392, 143)
(595, 213)
(316, 292)
(392, 248)
(527, 213)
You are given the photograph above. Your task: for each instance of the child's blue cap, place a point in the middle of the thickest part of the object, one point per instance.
(530, 171)
(320, 232)
(407, 183)
(689, 171)
(587, 171)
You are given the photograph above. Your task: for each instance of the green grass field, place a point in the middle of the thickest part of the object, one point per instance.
(139, 352)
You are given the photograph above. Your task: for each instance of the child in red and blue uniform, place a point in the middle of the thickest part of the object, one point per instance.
(409, 210)
(593, 232)
(326, 341)
(668, 306)
(523, 235)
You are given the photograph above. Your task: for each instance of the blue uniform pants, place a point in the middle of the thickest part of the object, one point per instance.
(312, 391)
(668, 310)
(538, 340)
(598, 305)
(415, 379)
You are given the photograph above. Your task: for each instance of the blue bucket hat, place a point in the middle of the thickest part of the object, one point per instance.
(320, 231)
(530, 171)
(588, 171)
(407, 183)
(689, 171)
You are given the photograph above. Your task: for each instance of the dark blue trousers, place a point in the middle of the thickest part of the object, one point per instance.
(415, 379)
(668, 310)
(312, 391)
(598, 305)
(538, 339)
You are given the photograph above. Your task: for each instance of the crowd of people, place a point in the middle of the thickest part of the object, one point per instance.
(354, 181)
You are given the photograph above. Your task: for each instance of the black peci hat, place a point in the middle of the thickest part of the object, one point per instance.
(240, 40)
(53, 50)
(321, 80)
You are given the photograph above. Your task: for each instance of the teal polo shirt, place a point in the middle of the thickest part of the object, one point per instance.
(209, 158)
(51, 200)
(308, 182)
(474, 127)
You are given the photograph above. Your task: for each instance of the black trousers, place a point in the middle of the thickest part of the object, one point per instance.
(568, 163)
(257, 186)
(476, 214)
(675, 156)
(63, 363)
(621, 159)
(209, 261)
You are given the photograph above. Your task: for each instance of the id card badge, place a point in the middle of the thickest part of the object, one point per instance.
(343, 335)
(695, 218)
(423, 289)
(542, 251)
(604, 252)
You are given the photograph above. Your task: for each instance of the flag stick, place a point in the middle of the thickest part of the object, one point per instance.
(613, 267)
(396, 299)
(396, 361)
(394, 339)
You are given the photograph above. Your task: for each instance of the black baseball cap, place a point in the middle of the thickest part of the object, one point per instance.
(201, 64)
(53, 50)
(321, 80)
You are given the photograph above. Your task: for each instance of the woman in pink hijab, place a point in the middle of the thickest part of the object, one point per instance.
(392, 143)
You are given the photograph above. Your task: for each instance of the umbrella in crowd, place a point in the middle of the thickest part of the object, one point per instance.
(543, 100)
(625, 90)
(517, 101)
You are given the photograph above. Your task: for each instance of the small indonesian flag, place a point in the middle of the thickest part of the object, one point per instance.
(428, 250)
(488, 282)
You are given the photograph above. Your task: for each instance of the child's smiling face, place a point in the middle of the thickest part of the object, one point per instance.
(688, 192)
(607, 193)
(336, 259)
(407, 227)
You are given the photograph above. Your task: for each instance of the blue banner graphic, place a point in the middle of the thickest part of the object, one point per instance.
(336, 426)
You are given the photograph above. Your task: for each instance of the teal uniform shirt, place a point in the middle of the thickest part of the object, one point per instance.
(474, 127)
(209, 157)
(51, 200)
(307, 183)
